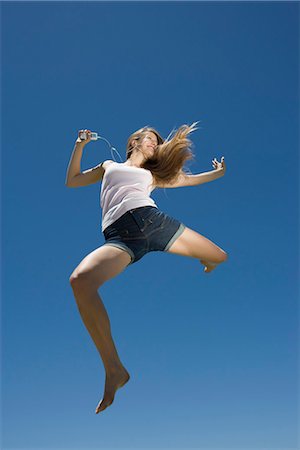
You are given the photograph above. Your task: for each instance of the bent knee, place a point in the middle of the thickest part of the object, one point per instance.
(223, 256)
(77, 279)
(83, 280)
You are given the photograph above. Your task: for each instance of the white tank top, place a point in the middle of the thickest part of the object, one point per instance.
(123, 188)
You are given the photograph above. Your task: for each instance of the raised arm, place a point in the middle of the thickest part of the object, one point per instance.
(205, 177)
(184, 179)
(76, 178)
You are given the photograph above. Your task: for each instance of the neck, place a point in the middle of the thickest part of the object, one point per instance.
(136, 159)
(136, 162)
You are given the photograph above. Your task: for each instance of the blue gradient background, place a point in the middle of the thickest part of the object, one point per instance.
(213, 358)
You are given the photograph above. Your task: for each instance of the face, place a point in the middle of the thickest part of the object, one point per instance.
(149, 143)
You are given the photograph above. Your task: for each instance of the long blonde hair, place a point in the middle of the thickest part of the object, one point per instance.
(170, 155)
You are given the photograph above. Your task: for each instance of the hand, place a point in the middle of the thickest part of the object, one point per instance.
(84, 141)
(219, 166)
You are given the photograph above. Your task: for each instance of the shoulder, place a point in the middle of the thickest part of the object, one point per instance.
(106, 163)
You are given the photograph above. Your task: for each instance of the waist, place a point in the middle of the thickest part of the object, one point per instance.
(116, 211)
(139, 210)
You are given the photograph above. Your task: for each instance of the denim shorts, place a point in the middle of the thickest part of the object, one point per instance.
(143, 230)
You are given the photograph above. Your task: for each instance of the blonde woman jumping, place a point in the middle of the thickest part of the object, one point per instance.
(133, 225)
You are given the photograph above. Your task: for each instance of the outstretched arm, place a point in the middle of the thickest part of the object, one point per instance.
(200, 178)
(205, 177)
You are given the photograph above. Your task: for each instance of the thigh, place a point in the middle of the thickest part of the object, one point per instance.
(190, 243)
(101, 265)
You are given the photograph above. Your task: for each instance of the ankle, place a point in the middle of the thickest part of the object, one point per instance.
(113, 369)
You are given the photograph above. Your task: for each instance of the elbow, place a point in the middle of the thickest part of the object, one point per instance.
(69, 184)
(73, 182)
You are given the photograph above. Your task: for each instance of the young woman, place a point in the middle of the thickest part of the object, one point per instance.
(133, 225)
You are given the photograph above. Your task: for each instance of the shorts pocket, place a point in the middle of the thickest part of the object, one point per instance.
(143, 221)
(147, 223)
(150, 212)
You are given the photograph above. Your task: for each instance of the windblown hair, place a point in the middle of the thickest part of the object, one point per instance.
(170, 155)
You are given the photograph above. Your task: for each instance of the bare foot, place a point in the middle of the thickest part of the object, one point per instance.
(112, 383)
(209, 266)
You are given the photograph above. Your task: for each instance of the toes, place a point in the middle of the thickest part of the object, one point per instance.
(100, 408)
(103, 405)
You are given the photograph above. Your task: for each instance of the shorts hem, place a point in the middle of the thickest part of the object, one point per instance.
(122, 247)
(175, 236)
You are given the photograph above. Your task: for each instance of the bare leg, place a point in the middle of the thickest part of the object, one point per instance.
(99, 266)
(97, 322)
(190, 243)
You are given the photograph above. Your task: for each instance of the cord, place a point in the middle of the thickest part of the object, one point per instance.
(112, 149)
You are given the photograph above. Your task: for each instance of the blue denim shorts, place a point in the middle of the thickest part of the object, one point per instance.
(143, 230)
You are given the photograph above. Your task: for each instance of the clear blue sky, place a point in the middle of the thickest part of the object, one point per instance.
(212, 358)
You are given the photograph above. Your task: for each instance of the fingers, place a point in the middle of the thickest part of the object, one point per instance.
(87, 134)
(215, 159)
(216, 164)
